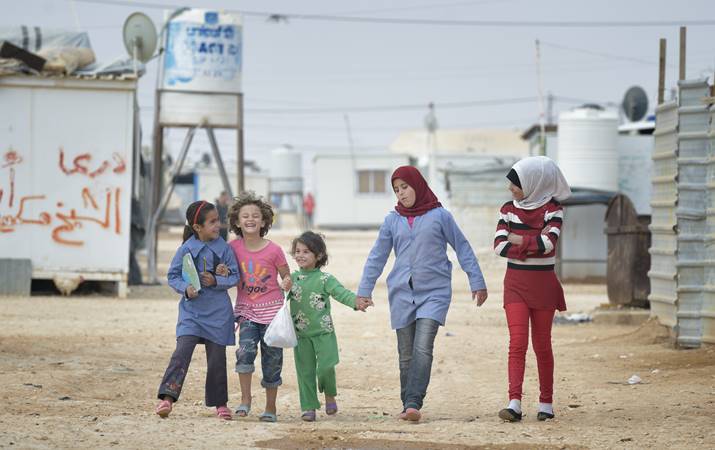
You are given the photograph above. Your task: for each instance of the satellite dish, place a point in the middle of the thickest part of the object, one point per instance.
(635, 103)
(140, 36)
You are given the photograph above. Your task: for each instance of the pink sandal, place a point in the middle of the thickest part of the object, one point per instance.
(223, 413)
(163, 409)
(413, 415)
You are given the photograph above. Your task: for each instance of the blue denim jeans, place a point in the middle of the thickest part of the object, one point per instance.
(249, 335)
(414, 345)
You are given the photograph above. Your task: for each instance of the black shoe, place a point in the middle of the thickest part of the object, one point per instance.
(509, 415)
(541, 416)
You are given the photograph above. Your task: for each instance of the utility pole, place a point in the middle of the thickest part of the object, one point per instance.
(542, 113)
(351, 147)
(431, 126)
(681, 71)
(661, 72)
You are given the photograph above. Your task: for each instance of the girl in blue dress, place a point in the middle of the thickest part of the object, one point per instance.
(420, 284)
(206, 315)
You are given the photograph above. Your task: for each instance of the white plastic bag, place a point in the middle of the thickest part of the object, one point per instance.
(281, 332)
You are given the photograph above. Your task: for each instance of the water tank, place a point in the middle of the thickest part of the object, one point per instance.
(286, 171)
(203, 52)
(588, 155)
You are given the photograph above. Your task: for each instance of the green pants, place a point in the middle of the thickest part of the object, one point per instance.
(315, 359)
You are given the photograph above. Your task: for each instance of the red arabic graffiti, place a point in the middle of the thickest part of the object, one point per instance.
(67, 221)
(64, 222)
(11, 158)
(80, 164)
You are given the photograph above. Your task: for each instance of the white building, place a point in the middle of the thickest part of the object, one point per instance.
(456, 149)
(353, 191)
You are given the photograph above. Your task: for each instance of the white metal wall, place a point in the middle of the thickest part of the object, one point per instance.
(337, 202)
(66, 175)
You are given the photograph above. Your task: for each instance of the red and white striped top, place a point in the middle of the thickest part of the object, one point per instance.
(540, 228)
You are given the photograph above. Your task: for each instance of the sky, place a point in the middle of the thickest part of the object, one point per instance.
(346, 66)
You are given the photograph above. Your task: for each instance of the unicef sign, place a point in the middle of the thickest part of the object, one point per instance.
(203, 52)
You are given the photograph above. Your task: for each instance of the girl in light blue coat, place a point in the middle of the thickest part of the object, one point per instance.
(420, 283)
(205, 315)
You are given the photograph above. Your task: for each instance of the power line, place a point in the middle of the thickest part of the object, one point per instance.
(283, 17)
(653, 62)
(422, 6)
(387, 108)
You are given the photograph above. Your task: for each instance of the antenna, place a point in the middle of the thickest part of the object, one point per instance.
(140, 37)
(635, 103)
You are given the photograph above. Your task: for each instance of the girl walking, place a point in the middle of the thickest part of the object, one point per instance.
(316, 354)
(420, 283)
(205, 316)
(527, 234)
(259, 298)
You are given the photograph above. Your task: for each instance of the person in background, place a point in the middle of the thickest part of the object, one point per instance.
(308, 208)
(222, 208)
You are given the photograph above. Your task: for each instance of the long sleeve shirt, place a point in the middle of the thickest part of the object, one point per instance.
(420, 283)
(310, 301)
(538, 250)
(210, 314)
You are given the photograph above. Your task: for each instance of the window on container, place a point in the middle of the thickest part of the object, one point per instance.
(371, 181)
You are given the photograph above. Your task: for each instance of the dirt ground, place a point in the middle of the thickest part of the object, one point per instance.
(82, 372)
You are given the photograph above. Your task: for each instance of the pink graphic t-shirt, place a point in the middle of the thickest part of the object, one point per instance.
(259, 295)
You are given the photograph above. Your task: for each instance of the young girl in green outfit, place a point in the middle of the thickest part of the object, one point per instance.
(317, 351)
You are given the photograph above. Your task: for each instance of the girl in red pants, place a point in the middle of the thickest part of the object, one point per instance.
(527, 233)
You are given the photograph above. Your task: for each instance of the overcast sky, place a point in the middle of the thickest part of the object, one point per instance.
(309, 63)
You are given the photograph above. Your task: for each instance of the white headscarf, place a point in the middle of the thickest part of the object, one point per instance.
(541, 180)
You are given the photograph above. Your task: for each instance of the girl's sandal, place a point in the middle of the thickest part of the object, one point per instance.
(223, 413)
(413, 415)
(331, 408)
(268, 417)
(308, 416)
(243, 410)
(163, 409)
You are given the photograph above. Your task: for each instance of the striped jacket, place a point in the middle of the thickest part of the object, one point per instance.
(540, 228)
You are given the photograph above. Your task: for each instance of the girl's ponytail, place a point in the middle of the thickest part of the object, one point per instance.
(188, 232)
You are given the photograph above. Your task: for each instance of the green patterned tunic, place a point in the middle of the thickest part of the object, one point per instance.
(310, 301)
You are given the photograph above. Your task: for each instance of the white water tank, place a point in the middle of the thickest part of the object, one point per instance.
(286, 170)
(588, 155)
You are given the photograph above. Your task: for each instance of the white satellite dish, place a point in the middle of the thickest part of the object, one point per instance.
(140, 37)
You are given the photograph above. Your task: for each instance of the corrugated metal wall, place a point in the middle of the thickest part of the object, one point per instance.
(682, 271)
(692, 198)
(708, 309)
(663, 276)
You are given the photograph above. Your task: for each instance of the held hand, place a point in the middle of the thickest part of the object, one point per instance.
(191, 292)
(287, 284)
(515, 239)
(362, 303)
(222, 270)
(480, 296)
(207, 279)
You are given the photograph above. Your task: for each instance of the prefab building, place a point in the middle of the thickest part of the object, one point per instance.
(66, 173)
(354, 191)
